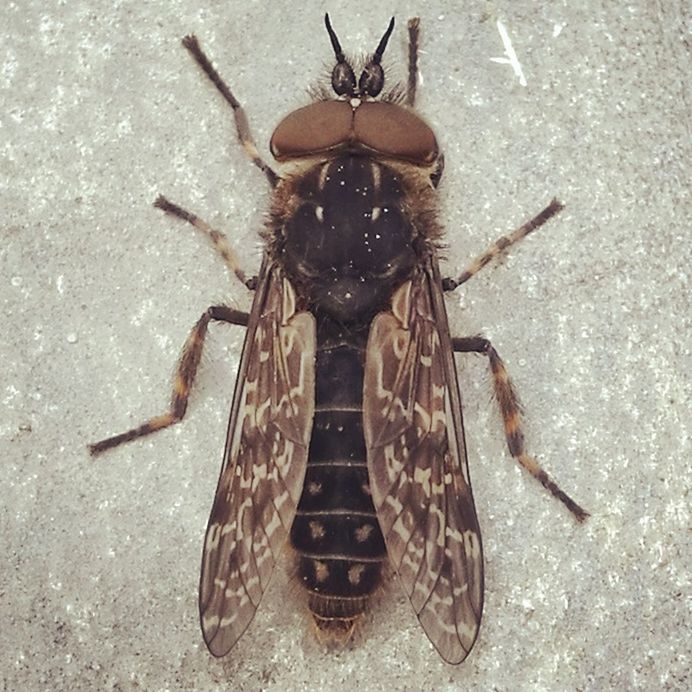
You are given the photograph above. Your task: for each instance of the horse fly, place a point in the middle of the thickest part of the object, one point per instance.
(346, 433)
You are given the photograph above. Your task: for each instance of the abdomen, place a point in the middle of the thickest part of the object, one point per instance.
(335, 532)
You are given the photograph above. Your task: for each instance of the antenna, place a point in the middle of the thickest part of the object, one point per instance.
(343, 79)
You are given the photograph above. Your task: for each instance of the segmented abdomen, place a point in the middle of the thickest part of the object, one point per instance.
(335, 532)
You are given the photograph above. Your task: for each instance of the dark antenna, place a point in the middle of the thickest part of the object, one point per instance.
(383, 43)
(343, 79)
(372, 78)
(335, 41)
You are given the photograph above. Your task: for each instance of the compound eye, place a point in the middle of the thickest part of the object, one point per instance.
(371, 79)
(394, 131)
(343, 79)
(318, 127)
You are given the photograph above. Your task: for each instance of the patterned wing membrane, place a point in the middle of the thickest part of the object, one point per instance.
(264, 463)
(417, 465)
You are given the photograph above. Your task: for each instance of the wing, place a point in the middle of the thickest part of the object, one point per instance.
(417, 464)
(264, 462)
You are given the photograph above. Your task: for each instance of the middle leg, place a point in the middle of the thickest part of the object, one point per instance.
(218, 239)
(500, 245)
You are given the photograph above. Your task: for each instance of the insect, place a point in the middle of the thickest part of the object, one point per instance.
(346, 435)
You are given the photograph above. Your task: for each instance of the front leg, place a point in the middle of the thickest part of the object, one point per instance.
(412, 83)
(242, 125)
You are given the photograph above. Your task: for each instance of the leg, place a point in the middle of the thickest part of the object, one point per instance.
(413, 32)
(412, 85)
(502, 244)
(185, 376)
(241, 122)
(509, 407)
(217, 238)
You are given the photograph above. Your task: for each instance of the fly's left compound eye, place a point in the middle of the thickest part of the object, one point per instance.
(315, 128)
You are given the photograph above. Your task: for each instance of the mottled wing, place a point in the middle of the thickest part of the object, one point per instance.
(417, 464)
(264, 463)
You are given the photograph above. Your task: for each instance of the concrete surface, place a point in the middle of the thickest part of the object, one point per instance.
(103, 109)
